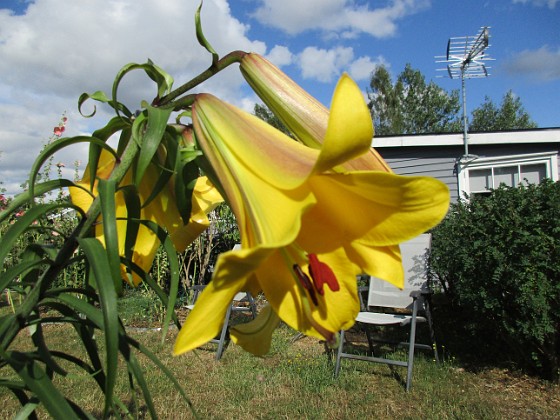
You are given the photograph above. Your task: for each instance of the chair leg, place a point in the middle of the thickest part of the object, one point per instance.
(411, 342)
(339, 354)
(252, 305)
(223, 334)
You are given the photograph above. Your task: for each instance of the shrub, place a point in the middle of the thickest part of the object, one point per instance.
(497, 258)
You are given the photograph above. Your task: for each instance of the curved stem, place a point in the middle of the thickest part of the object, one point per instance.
(227, 60)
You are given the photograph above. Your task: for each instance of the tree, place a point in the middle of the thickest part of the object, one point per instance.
(268, 116)
(511, 115)
(410, 106)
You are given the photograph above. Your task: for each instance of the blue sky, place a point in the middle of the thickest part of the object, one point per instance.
(51, 51)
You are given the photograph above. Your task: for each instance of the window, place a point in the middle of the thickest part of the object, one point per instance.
(480, 175)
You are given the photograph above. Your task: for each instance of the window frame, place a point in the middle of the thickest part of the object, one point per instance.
(465, 165)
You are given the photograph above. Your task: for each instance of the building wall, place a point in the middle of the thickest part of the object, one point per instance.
(439, 161)
(425, 161)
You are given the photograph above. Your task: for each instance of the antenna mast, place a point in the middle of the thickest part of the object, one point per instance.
(466, 57)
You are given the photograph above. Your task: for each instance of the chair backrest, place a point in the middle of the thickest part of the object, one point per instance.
(413, 253)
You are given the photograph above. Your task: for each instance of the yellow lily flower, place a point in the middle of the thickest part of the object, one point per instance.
(161, 210)
(307, 118)
(304, 115)
(306, 230)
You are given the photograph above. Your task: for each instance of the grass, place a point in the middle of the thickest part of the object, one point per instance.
(295, 380)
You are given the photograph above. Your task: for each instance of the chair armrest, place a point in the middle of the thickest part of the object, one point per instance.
(415, 294)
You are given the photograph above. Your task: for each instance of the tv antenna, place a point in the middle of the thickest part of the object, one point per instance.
(466, 59)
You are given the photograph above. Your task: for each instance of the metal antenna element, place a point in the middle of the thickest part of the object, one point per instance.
(466, 57)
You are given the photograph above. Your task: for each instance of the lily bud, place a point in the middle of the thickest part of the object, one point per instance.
(304, 115)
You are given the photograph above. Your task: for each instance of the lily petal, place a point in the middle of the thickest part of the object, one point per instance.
(206, 319)
(255, 336)
(350, 129)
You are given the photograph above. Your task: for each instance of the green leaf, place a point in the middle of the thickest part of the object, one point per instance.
(107, 191)
(173, 272)
(26, 411)
(133, 207)
(26, 197)
(135, 368)
(164, 369)
(200, 35)
(40, 384)
(101, 97)
(187, 174)
(22, 224)
(150, 139)
(163, 80)
(13, 273)
(52, 148)
(99, 262)
(43, 350)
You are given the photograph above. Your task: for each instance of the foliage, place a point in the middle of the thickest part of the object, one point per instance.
(497, 258)
(410, 105)
(511, 115)
(36, 251)
(267, 115)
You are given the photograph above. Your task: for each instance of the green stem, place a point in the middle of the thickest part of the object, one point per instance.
(227, 60)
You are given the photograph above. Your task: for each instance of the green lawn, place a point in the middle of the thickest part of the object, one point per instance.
(295, 381)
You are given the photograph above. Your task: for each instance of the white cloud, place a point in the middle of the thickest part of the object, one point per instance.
(550, 3)
(325, 65)
(59, 49)
(363, 67)
(343, 17)
(280, 56)
(542, 64)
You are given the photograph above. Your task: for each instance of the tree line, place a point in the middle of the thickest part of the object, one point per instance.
(410, 105)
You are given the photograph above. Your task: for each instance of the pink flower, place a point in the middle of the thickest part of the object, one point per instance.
(58, 131)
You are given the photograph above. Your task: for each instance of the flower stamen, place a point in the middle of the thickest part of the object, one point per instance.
(321, 273)
(306, 283)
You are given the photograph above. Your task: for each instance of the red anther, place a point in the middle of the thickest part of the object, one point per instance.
(306, 283)
(321, 273)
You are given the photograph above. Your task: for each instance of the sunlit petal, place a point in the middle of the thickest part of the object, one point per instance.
(349, 130)
(304, 115)
(206, 319)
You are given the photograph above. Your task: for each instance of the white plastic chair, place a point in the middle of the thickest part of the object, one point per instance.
(408, 302)
(242, 302)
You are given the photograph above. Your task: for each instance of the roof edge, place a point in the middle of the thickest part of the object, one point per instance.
(536, 135)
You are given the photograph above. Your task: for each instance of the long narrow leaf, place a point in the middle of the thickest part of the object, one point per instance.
(200, 35)
(22, 224)
(107, 190)
(99, 262)
(163, 79)
(52, 148)
(40, 384)
(150, 139)
(169, 299)
(25, 197)
(134, 343)
(27, 410)
(16, 271)
(38, 339)
(135, 368)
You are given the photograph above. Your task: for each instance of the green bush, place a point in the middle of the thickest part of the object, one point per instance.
(497, 258)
